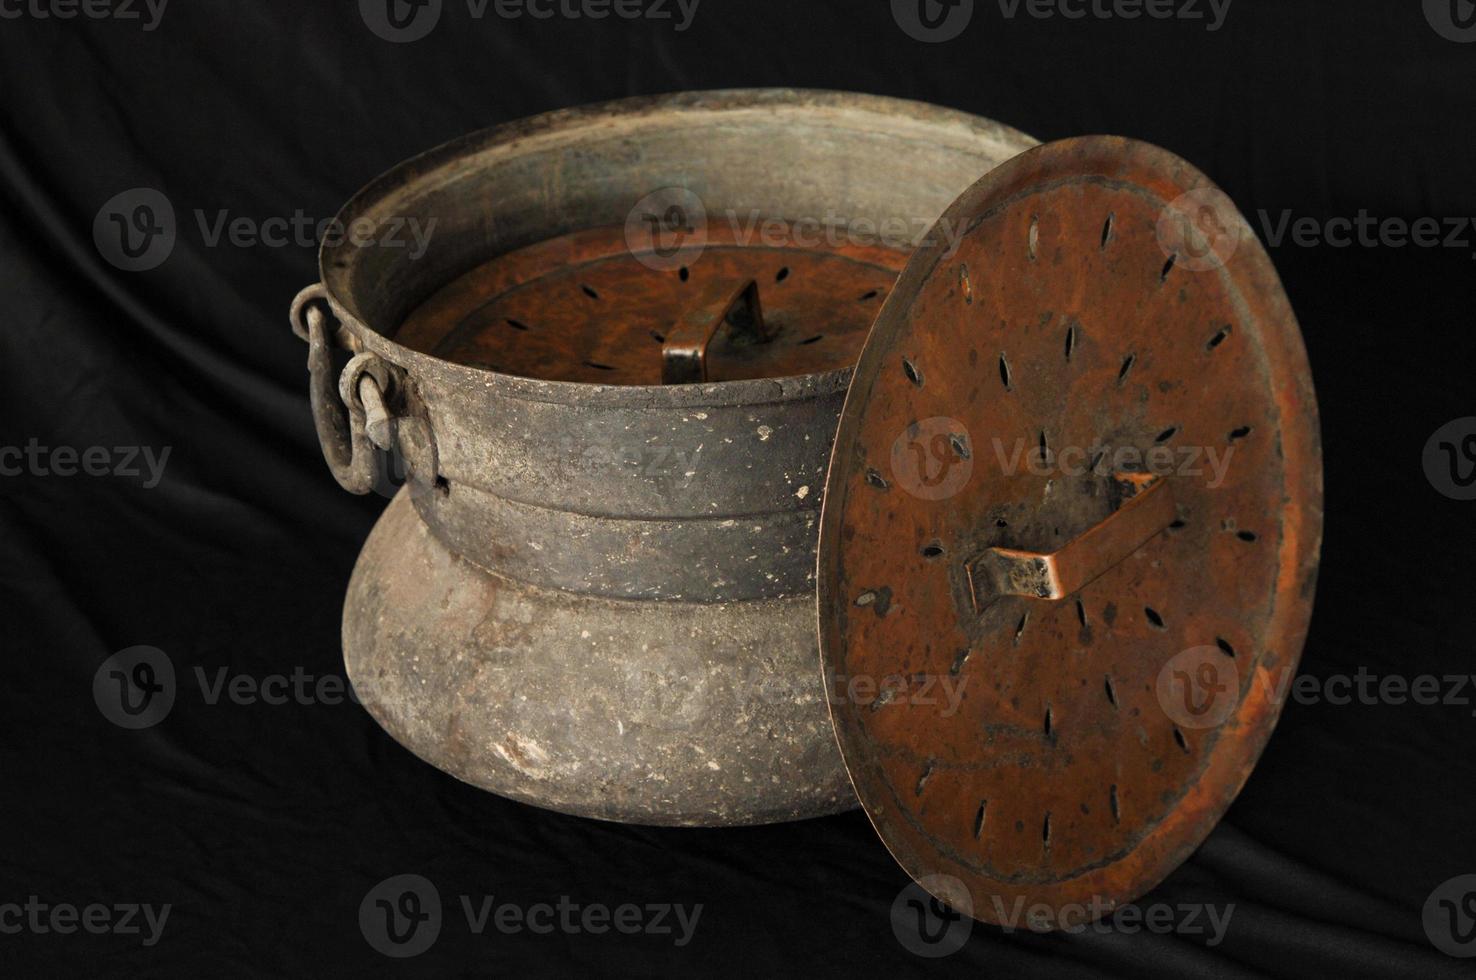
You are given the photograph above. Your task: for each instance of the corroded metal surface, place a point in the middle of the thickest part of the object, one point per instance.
(599, 596)
(586, 307)
(1063, 329)
(672, 713)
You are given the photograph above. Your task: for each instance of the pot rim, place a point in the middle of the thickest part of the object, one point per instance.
(926, 118)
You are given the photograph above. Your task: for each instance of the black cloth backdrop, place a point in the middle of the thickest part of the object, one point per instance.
(264, 825)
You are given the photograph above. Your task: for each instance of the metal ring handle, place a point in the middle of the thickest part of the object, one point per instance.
(339, 410)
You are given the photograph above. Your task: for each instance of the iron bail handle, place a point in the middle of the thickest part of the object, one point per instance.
(1147, 510)
(351, 416)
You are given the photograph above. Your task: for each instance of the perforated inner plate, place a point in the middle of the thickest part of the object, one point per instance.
(1079, 350)
(585, 307)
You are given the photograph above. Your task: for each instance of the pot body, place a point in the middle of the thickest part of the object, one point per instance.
(600, 599)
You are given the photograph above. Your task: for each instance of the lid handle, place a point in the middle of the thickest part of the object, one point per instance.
(1147, 509)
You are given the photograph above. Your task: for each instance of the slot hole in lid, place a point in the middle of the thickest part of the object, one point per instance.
(1127, 365)
(913, 374)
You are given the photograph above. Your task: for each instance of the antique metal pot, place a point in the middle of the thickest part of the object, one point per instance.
(615, 378)
(596, 597)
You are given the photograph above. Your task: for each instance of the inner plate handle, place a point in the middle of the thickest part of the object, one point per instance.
(1147, 509)
(684, 352)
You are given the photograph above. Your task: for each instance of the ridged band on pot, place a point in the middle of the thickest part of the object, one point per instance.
(515, 476)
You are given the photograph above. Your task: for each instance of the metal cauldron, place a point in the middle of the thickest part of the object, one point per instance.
(596, 592)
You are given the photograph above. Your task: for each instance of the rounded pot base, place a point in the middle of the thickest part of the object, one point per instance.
(668, 713)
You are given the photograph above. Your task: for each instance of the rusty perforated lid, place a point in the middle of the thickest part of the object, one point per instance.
(1070, 532)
